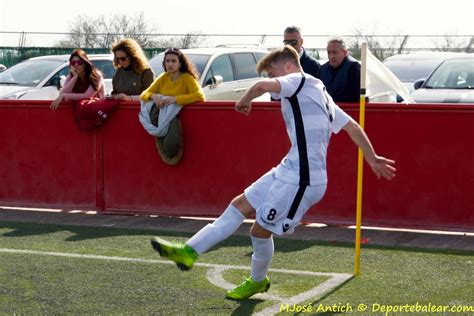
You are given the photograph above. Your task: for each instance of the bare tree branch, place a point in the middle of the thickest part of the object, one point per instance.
(452, 44)
(102, 32)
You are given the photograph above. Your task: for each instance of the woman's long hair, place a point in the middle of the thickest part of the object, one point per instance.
(92, 73)
(186, 64)
(138, 60)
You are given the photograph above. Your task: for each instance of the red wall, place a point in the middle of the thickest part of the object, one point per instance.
(45, 161)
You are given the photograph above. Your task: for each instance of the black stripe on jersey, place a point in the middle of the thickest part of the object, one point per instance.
(300, 135)
(296, 202)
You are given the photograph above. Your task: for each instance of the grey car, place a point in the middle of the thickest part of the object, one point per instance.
(450, 82)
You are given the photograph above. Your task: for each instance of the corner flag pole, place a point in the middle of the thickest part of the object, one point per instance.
(360, 160)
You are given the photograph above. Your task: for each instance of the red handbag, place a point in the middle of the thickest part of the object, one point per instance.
(91, 113)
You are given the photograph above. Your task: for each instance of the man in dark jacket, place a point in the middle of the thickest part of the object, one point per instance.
(341, 74)
(292, 36)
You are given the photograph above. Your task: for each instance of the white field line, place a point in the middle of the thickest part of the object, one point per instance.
(215, 276)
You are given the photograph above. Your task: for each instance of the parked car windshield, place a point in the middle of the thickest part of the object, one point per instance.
(199, 60)
(452, 74)
(412, 70)
(30, 72)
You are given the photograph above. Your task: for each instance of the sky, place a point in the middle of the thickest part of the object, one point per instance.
(338, 17)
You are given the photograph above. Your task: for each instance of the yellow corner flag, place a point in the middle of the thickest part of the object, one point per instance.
(360, 161)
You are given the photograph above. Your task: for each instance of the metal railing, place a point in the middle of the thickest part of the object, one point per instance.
(10, 56)
(16, 46)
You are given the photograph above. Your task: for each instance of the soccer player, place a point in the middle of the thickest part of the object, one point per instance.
(280, 198)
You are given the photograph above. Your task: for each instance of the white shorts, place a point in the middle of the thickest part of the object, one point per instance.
(280, 206)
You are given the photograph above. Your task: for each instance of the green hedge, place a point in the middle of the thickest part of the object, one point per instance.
(10, 56)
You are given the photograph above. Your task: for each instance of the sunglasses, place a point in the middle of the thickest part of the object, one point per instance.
(172, 50)
(122, 58)
(78, 62)
(291, 42)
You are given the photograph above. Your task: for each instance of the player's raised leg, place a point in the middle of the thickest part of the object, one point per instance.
(185, 254)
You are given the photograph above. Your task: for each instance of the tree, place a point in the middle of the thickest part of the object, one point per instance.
(188, 40)
(392, 45)
(102, 32)
(454, 44)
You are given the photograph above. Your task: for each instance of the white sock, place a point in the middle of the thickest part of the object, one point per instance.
(262, 257)
(221, 229)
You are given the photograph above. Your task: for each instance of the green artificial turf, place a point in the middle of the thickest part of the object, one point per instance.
(43, 284)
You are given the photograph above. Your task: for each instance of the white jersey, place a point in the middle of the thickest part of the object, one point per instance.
(310, 118)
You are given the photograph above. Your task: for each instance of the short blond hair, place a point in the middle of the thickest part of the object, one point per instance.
(285, 53)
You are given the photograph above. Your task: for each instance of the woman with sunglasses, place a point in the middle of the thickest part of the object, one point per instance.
(83, 82)
(177, 85)
(133, 74)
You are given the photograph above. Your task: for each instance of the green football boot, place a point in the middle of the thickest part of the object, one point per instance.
(248, 288)
(182, 254)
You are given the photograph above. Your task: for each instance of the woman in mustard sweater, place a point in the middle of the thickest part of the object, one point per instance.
(177, 85)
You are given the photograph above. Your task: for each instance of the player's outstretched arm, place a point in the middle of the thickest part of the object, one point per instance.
(244, 105)
(381, 166)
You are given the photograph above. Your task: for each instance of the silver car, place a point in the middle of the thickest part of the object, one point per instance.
(451, 82)
(412, 67)
(40, 78)
(225, 72)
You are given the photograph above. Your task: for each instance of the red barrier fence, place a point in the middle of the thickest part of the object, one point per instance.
(46, 161)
